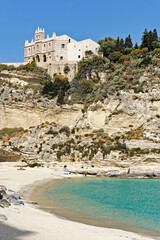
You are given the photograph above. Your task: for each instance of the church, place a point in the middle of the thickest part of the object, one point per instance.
(56, 49)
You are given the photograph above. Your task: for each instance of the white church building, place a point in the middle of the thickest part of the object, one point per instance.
(56, 48)
(54, 53)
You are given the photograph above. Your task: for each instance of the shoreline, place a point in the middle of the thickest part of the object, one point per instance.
(46, 205)
(36, 224)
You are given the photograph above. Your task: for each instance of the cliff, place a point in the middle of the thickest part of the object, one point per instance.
(120, 132)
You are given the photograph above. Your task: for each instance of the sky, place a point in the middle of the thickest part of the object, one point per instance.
(79, 19)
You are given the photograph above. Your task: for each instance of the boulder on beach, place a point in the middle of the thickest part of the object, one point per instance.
(3, 217)
(5, 203)
(3, 188)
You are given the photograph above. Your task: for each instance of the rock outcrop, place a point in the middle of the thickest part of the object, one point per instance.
(122, 131)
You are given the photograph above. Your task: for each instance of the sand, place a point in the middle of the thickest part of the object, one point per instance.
(31, 223)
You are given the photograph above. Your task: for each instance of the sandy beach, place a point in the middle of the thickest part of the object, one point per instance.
(29, 222)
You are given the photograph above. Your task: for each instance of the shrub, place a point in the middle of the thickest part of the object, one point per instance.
(66, 69)
(57, 88)
(3, 67)
(135, 52)
(144, 50)
(34, 165)
(16, 149)
(65, 130)
(157, 50)
(11, 68)
(30, 66)
(10, 132)
(85, 86)
(111, 90)
(124, 57)
(89, 65)
(88, 53)
(52, 132)
(127, 50)
(59, 154)
(115, 56)
(73, 131)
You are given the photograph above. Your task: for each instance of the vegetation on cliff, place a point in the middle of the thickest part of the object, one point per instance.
(121, 68)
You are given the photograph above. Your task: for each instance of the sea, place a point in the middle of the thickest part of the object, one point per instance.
(128, 204)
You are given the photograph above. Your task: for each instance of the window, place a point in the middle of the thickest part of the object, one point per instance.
(37, 58)
(62, 45)
(44, 58)
(79, 56)
(69, 40)
(49, 46)
(61, 57)
(96, 49)
(79, 50)
(29, 51)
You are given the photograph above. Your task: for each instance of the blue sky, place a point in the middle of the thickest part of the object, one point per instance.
(79, 19)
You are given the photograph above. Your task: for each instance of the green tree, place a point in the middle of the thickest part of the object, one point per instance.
(57, 88)
(155, 35)
(122, 44)
(155, 44)
(107, 46)
(85, 86)
(118, 46)
(148, 38)
(128, 42)
(136, 46)
(144, 39)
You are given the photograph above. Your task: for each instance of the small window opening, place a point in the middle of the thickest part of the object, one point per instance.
(44, 58)
(79, 56)
(61, 57)
(62, 45)
(37, 58)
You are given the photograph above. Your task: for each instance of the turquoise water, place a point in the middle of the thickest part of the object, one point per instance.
(132, 202)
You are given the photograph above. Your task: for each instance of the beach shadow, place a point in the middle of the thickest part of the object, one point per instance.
(11, 233)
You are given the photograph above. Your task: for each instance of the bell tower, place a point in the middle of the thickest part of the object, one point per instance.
(39, 34)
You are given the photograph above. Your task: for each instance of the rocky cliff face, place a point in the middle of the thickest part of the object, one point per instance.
(122, 131)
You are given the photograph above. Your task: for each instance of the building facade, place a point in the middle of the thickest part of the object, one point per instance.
(53, 53)
(56, 48)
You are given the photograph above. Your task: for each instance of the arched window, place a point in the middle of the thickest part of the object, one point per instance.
(37, 48)
(44, 47)
(49, 46)
(44, 58)
(37, 58)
